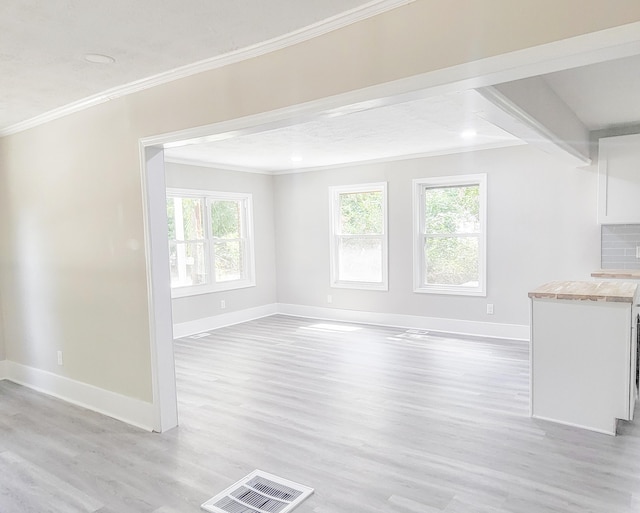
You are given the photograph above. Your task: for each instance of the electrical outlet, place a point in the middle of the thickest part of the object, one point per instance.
(223, 304)
(329, 299)
(637, 251)
(490, 308)
(59, 357)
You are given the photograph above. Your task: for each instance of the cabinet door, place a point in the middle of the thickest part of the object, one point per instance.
(619, 179)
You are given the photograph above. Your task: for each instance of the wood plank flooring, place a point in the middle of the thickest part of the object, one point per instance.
(375, 419)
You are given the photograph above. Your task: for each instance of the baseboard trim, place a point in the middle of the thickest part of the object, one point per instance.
(185, 329)
(453, 326)
(3, 369)
(581, 426)
(126, 409)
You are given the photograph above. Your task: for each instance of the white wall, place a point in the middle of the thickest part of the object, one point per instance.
(541, 227)
(191, 308)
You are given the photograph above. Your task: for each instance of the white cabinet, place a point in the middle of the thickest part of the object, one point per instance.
(583, 362)
(619, 180)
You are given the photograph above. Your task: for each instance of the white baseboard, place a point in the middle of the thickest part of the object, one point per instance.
(3, 369)
(132, 411)
(605, 431)
(184, 329)
(453, 326)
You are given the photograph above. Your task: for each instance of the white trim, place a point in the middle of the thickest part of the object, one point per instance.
(3, 369)
(154, 213)
(441, 325)
(410, 156)
(418, 185)
(218, 167)
(127, 409)
(336, 22)
(378, 160)
(572, 424)
(184, 329)
(334, 195)
(210, 193)
(246, 225)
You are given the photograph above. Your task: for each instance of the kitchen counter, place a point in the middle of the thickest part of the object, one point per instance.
(584, 353)
(623, 274)
(607, 291)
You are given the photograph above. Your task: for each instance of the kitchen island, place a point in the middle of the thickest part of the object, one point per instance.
(584, 353)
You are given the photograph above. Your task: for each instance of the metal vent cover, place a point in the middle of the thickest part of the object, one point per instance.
(259, 492)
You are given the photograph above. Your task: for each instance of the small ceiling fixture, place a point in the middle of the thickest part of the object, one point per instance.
(97, 58)
(469, 133)
(296, 158)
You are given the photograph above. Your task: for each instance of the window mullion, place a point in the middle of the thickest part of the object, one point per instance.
(451, 235)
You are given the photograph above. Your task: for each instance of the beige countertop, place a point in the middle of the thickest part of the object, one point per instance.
(625, 274)
(611, 291)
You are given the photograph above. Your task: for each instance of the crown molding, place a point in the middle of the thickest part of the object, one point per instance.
(217, 167)
(368, 10)
(380, 160)
(410, 156)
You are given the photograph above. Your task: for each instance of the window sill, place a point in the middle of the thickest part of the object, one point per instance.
(450, 291)
(210, 289)
(360, 286)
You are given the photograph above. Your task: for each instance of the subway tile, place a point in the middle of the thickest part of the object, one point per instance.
(610, 237)
(618, 246)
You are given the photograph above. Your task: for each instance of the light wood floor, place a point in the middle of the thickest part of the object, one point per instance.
(375, 419)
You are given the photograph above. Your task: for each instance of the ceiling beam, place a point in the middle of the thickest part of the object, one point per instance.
(533, 112)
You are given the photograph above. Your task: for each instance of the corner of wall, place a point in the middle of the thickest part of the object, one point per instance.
(126, 409)
(185, 329)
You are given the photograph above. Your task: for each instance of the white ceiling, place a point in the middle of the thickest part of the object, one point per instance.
(42, 67)
(43, 42)
(433, 125)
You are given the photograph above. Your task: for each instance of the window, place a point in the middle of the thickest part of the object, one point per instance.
(450, 235)
(210, 241)
(359, 236)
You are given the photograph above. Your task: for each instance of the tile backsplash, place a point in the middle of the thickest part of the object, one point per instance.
(618, 246)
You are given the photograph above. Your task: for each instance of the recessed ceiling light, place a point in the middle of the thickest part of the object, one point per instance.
(296, 158)
(469, 133)
(97, 58)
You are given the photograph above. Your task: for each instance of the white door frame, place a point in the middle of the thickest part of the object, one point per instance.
(579, 51)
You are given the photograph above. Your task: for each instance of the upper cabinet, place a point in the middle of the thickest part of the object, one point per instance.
(619, 180)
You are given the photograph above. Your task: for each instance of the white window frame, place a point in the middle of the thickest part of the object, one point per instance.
(334, 235)
(419, 186)
(249, 273)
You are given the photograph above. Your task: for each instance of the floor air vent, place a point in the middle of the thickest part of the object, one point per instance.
(259, 492)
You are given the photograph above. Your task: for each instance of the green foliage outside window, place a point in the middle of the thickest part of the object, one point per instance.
(450, 210)
(225, 224)
(452, 225)
(225, 219)
(361, 213)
